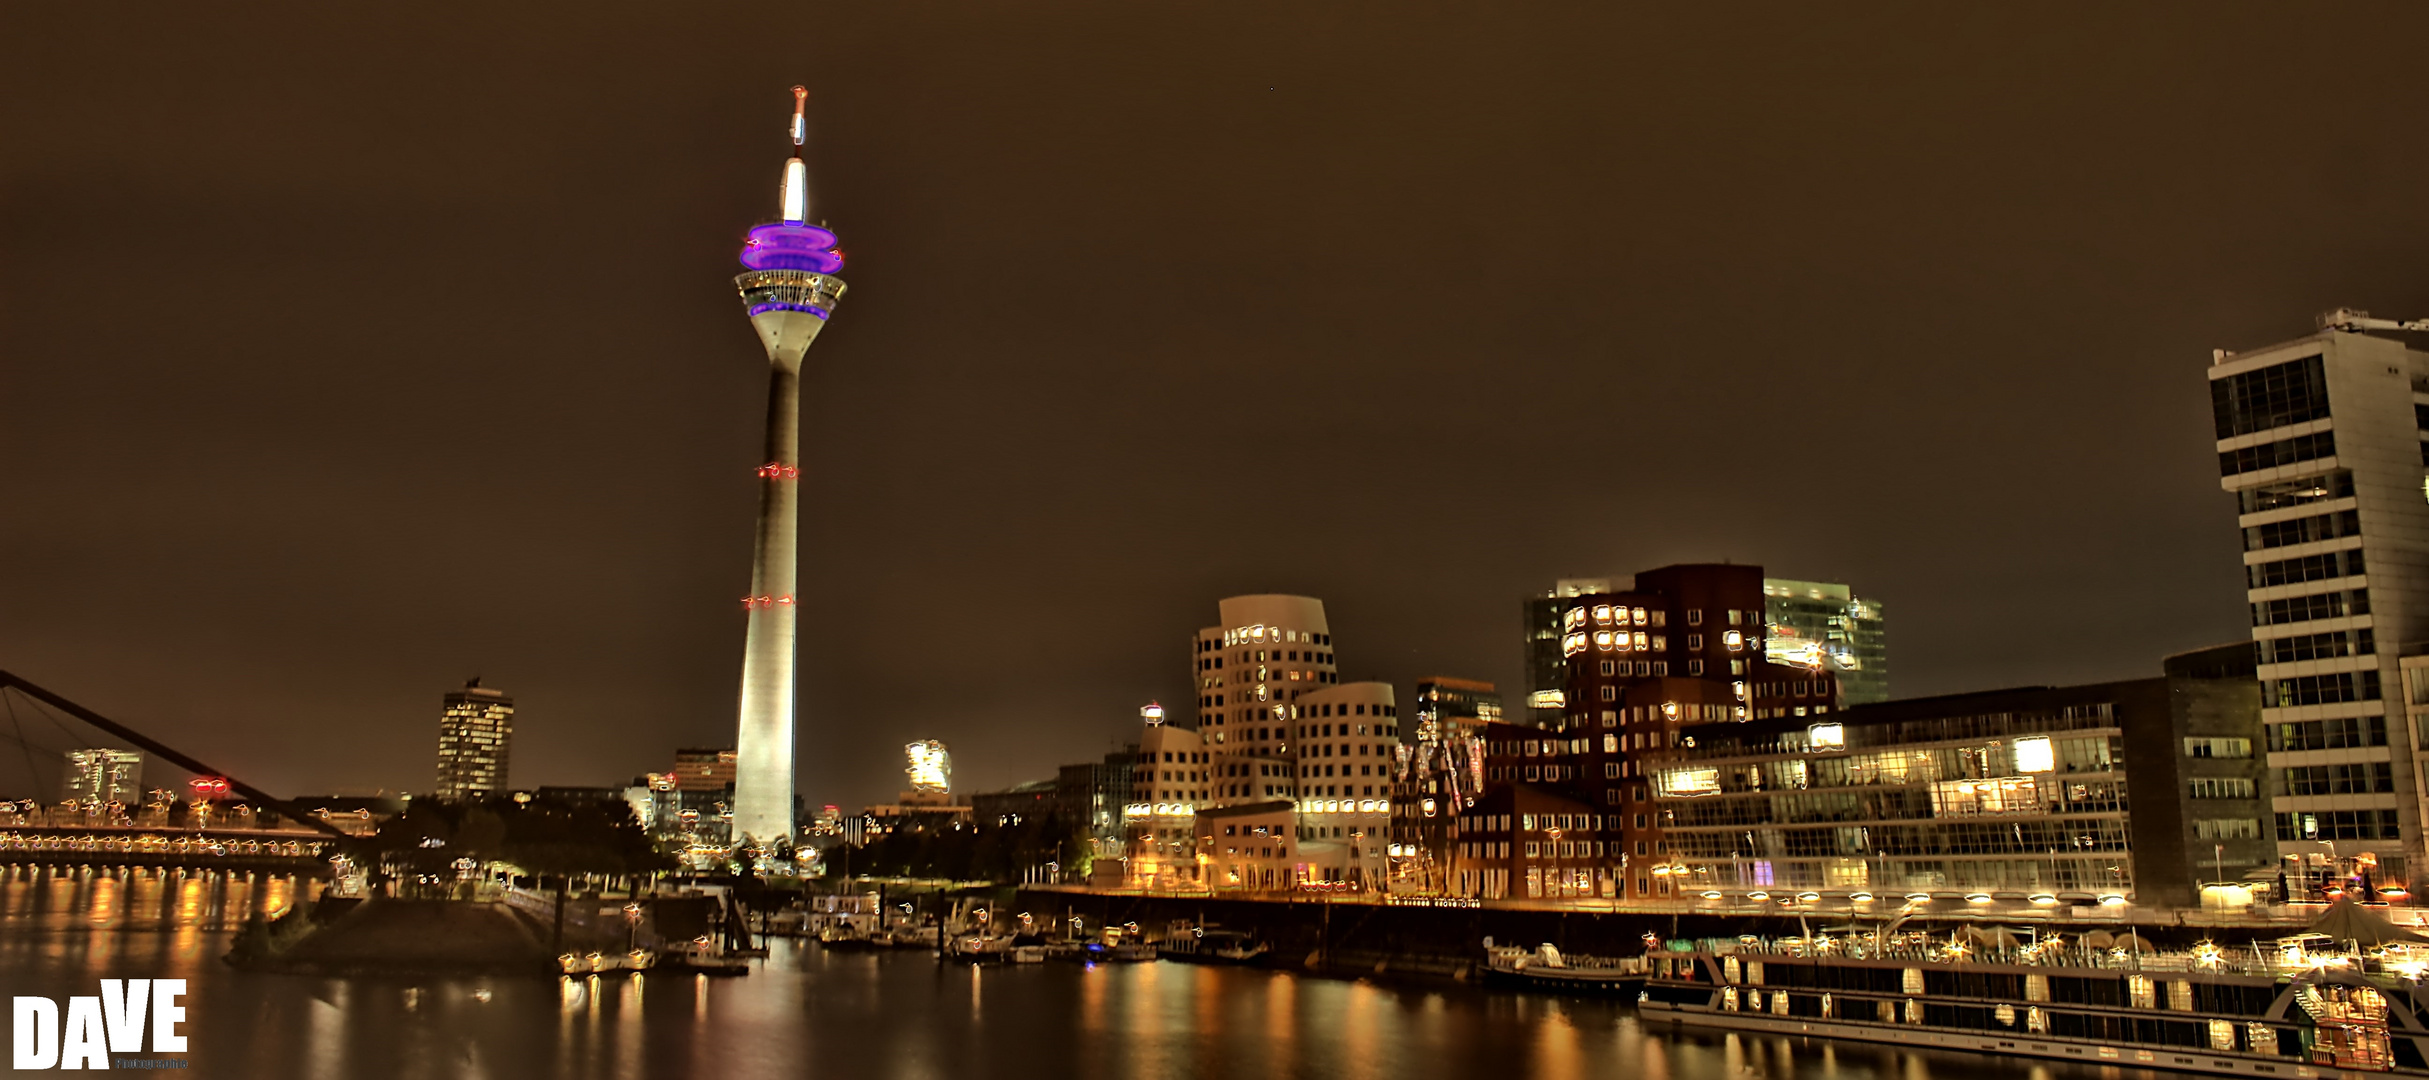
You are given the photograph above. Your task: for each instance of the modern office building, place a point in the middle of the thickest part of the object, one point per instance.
(1814, 622)
(2144, 790)
(1093, 793)
(2320, 443)
(96, 778)
(1547, 665)
(1036, 800)
(476, 731)
(704, 768)
(788, 291)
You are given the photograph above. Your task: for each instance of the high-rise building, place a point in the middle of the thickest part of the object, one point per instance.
(789, 291)
(1547, 666)
(2320, 441)
(703, 768)
(476, 728)
(100, 777)
(1813, 622)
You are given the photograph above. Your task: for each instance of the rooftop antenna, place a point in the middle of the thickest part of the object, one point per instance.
(796, 176)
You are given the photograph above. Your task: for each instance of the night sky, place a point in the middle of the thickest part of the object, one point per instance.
(349, 351)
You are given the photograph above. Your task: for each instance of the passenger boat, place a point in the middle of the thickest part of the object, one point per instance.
(979, 948)
(1547, 968)
(1205, 946)
(844, 938)
(2301, 1008)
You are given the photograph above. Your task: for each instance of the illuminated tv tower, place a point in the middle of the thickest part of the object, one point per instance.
(789, 292)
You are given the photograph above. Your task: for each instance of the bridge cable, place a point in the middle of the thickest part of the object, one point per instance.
(31, 777)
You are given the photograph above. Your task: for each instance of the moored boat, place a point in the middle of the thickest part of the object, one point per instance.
(1213, 947)
(2286, 1009)
(1547, 968)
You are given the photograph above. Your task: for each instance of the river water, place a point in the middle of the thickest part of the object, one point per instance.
(878, 1016)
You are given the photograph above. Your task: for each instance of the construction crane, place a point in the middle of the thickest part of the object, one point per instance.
(2354, 321)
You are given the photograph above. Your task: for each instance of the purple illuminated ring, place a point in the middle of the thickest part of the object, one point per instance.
(756, 309)
(791, 247)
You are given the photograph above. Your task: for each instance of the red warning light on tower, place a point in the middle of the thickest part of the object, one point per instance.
(209, 787)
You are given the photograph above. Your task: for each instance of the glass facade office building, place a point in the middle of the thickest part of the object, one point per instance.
(1818, 623)
(2144, 789)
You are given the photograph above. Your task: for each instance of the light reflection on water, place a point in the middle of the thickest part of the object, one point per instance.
(885, 1016)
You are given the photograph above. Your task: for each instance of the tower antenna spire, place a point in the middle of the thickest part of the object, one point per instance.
(796, 194)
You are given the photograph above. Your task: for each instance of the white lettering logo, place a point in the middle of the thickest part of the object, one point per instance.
(98, 1025)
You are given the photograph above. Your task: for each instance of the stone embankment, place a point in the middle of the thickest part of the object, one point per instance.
(397, 937)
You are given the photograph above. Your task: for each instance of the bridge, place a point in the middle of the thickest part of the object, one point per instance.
(300, 851)
(65, 835)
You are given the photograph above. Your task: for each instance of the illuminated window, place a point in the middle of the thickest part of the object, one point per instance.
(2035, 754)
(1680, 783)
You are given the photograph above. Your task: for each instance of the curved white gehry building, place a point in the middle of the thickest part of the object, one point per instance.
(1276, 722)
(1269, 651)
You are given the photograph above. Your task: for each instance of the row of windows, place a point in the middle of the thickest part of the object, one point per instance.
(2033, 838)
(2223, 787)
(1531, 822)
(2359, 778)
(2337, 825)
(2302, 530)
(2301, 491)
(2334, 564)
(2226, 829)
(2318, 646)
(1215, 663)
(2282, 452)
(2320, 689)
(2338, 734)
(2293, 392)
(2328, 605)
(1275, 634)
(2207, 746)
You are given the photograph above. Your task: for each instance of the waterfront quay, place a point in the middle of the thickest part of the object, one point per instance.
(1428, 937)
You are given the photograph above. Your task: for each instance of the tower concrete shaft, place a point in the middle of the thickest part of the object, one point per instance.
(795, 307)
(789, 292)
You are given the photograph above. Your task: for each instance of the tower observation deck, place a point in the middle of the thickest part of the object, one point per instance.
(789, 290)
